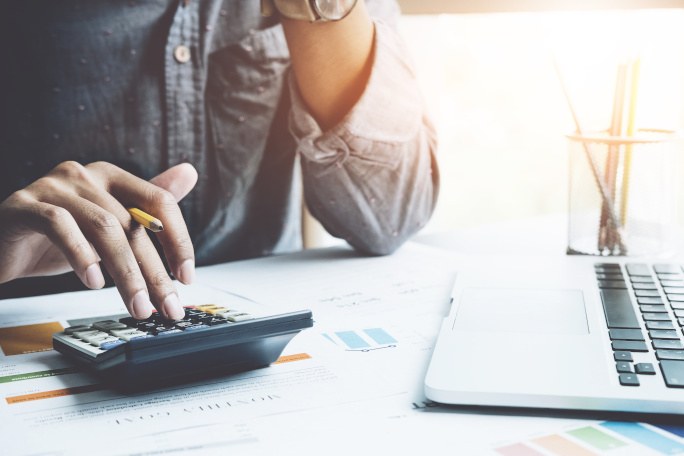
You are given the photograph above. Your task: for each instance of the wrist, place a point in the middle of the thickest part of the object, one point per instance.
(308, 10)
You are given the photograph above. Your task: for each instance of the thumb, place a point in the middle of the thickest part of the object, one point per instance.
(178, 180)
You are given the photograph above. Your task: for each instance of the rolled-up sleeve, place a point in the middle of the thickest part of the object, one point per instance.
(372, 179)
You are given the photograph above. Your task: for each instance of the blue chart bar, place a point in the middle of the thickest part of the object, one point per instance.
(645, 436)
(352, 340)
(671, 428)
(380, 336)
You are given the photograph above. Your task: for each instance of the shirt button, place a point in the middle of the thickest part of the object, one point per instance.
(181, 54)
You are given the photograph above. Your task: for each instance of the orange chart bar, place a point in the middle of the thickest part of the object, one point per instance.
(562, 446)
(291, 358)
(52, 394)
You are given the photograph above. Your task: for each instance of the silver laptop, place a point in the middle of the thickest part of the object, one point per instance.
(565, 333)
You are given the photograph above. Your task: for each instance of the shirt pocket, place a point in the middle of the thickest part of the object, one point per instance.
(244, 88)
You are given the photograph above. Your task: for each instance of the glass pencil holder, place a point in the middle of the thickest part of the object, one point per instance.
(622, 193)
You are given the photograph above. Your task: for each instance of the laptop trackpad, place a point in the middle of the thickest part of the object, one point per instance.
(527, 311)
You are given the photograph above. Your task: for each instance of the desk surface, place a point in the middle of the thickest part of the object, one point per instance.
(325, 397)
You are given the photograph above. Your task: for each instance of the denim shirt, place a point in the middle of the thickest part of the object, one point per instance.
(106, 80)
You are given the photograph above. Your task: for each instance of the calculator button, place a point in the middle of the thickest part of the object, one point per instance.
(112, 344)
(168, 332)
(108, 325)
(133, 335)
(90, 338)
(239, 317)
(104, 340)
(194, 327)
(72, 329)
(129, 321)
(86, 333)
(121, 332)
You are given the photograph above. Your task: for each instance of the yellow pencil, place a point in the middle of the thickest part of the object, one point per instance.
(151, 223)
(631, 129)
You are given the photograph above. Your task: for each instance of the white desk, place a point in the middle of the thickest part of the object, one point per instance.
(336, 401)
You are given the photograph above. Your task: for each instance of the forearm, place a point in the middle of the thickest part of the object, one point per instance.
(331, 62)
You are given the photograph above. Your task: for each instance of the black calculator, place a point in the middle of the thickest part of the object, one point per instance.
(211, 339)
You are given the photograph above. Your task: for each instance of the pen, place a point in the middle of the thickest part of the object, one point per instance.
(151, 223)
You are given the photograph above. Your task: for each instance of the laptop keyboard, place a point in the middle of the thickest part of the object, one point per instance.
(654, 325)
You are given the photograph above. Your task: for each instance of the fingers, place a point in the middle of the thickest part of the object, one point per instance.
(160, 288)
(83, 211)
(128, 254)
(162, 204)
(178, 180)
(60, 227)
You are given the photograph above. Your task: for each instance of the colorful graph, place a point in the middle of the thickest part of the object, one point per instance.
(608, 437)
(362, 340)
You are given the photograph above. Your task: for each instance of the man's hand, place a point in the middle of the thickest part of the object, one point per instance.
(76, 216)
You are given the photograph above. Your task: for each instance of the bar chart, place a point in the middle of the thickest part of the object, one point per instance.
(364, 340)
(602, 438)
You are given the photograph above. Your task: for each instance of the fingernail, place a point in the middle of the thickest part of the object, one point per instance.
(172, 307)
(186, 272)
(141, 306)
(94, 277)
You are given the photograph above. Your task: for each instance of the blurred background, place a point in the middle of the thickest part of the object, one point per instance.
(487, 73)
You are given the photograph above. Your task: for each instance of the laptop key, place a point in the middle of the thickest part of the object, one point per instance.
(638, 269)
(626, 334)
(611, 276)
(672, 283)
(659, 325)
(679, 313)
(618, 309)
(611, 266)
(644, 286)
(651, 316)
(681, 322)
(647, 293)
(616, 284)
(673, 372)
(663, 334)
(653, 308)
(674, 290)
(629, 345)
(657, 301)
(667, 268)
(677, 305)
(644, 368)
(668, 344)
(622, 356)
(624, 367)
(638, 279)
(670, 354)
(675, 298)
(629, 380)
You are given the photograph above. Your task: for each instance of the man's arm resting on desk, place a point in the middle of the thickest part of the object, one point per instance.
(361, 127)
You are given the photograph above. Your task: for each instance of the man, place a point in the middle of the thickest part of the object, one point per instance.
(100, 97)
